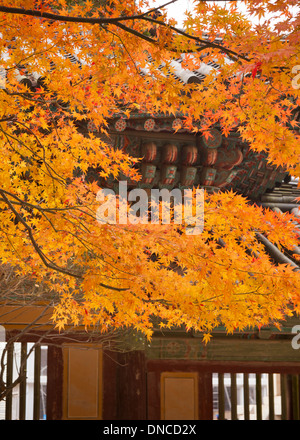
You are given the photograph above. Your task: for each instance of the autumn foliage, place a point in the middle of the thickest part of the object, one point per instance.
(134, 275)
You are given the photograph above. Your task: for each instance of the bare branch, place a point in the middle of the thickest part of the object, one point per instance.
(42, 256)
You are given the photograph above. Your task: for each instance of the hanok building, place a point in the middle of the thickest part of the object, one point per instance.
(247, 375)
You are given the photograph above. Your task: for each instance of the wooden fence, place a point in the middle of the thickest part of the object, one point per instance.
(256, 396)
(223, 390)
(26, 363)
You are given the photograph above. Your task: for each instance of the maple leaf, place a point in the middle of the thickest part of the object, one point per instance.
(206, 338)
(82, 73)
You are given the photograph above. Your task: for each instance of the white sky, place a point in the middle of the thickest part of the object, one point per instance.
(177, 9)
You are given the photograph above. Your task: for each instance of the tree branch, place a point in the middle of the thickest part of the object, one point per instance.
(117, 21)
(67, 18)
(42, 256)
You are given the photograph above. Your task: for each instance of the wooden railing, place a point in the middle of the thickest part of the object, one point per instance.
(26, 369)
(256, 396)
